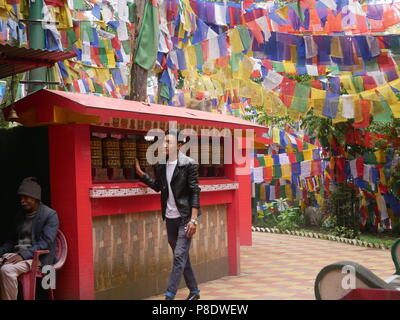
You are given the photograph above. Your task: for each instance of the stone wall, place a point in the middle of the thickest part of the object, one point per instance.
(132, 258)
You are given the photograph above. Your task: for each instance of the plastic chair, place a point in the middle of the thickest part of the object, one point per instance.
(28, 280)
(396, 255)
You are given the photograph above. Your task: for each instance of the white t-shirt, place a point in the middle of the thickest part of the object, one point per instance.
(171, 211)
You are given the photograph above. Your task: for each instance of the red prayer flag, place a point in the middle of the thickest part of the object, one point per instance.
(365, 109)
(256, 31)
(292, 157)
(339, 169)
(267, 173)
(360, 167)
(362, 23)
(54, 3)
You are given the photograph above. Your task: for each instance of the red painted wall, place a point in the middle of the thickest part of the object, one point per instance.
(70, 179)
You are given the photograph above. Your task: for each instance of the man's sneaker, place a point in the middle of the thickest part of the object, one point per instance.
(193, 296)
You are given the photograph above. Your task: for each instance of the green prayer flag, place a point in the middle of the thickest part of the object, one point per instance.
(258, 187)
(147, 42)
(278, 66)
(103, 57)
(300, 100)
(369, 158)
(234, 61)
(385, 114)
(277, 171)
(97, 87)
(199, 54)
(164, 92)
(334, 69)
(126, 44)
(299, 156)
(372, 65)
(394, 44)
(261, 161)
(132, 11)
(282, 191)
(71, 38)
(245, 37)
(358, 83)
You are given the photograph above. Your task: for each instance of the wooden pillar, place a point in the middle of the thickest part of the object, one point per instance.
(70, 179)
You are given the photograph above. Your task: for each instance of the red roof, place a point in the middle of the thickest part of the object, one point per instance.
(110, 107)
(15, 60)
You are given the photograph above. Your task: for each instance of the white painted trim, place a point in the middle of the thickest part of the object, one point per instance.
(96, 193)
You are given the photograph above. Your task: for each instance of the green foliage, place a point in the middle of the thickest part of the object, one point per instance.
(181, 80)
(329, 223)
(290, 219)
(279, 214)
(259, 115)
(344, 232)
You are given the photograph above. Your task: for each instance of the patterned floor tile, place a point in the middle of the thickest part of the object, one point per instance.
(284, 267)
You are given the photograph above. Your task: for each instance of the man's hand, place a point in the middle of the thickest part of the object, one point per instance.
(139, 171)
(14, 259)
(190, 229)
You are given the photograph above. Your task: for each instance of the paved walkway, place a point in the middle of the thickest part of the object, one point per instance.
(284, 267)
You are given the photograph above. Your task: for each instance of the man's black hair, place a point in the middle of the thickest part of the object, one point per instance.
(176, 134)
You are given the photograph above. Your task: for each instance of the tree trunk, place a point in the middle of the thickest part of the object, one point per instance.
(138, 75)
(138, 87)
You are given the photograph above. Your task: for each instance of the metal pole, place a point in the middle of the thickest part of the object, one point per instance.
(36, 41)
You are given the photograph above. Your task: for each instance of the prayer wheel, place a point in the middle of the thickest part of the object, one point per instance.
(96, 152)
(142, 146)
(128, 152)
(112, 153)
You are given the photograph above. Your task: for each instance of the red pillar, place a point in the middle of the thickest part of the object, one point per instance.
(243, 194)
(233, 227)
(70, 179)
(244, 205)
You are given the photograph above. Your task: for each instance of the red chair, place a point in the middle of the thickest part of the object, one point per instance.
(28, 280)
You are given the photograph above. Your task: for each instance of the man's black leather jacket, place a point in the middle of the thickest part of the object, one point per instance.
(184, 185)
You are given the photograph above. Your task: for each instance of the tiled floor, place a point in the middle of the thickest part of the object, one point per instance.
(284, 267)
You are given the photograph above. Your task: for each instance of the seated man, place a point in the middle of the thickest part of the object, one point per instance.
(36, 229)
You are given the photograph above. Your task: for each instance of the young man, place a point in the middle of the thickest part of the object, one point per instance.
(180, 202)
(37, 228)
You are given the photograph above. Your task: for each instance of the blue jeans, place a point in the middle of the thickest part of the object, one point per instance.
(180, 245)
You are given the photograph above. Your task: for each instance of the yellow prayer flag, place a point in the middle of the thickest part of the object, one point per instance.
(263, 194)
(347, 83)
(190, 55)
(370, 95)
(275, 135)
(307, 155)
(289, 67)
(269, 162)
(283, 12)
(395, 84)
(382, 177)
(286, 171)
(388, 94)
(336, 48)
(91, 86)
(380, 156)
(235, 41)
(339, 117)
(288, 191)
(395, 109)
(318, 100)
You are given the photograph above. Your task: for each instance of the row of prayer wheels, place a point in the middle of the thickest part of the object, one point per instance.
(118, 153)
(113, 153)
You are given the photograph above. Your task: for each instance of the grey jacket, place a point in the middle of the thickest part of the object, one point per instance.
(44, 231)
(184, 185)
